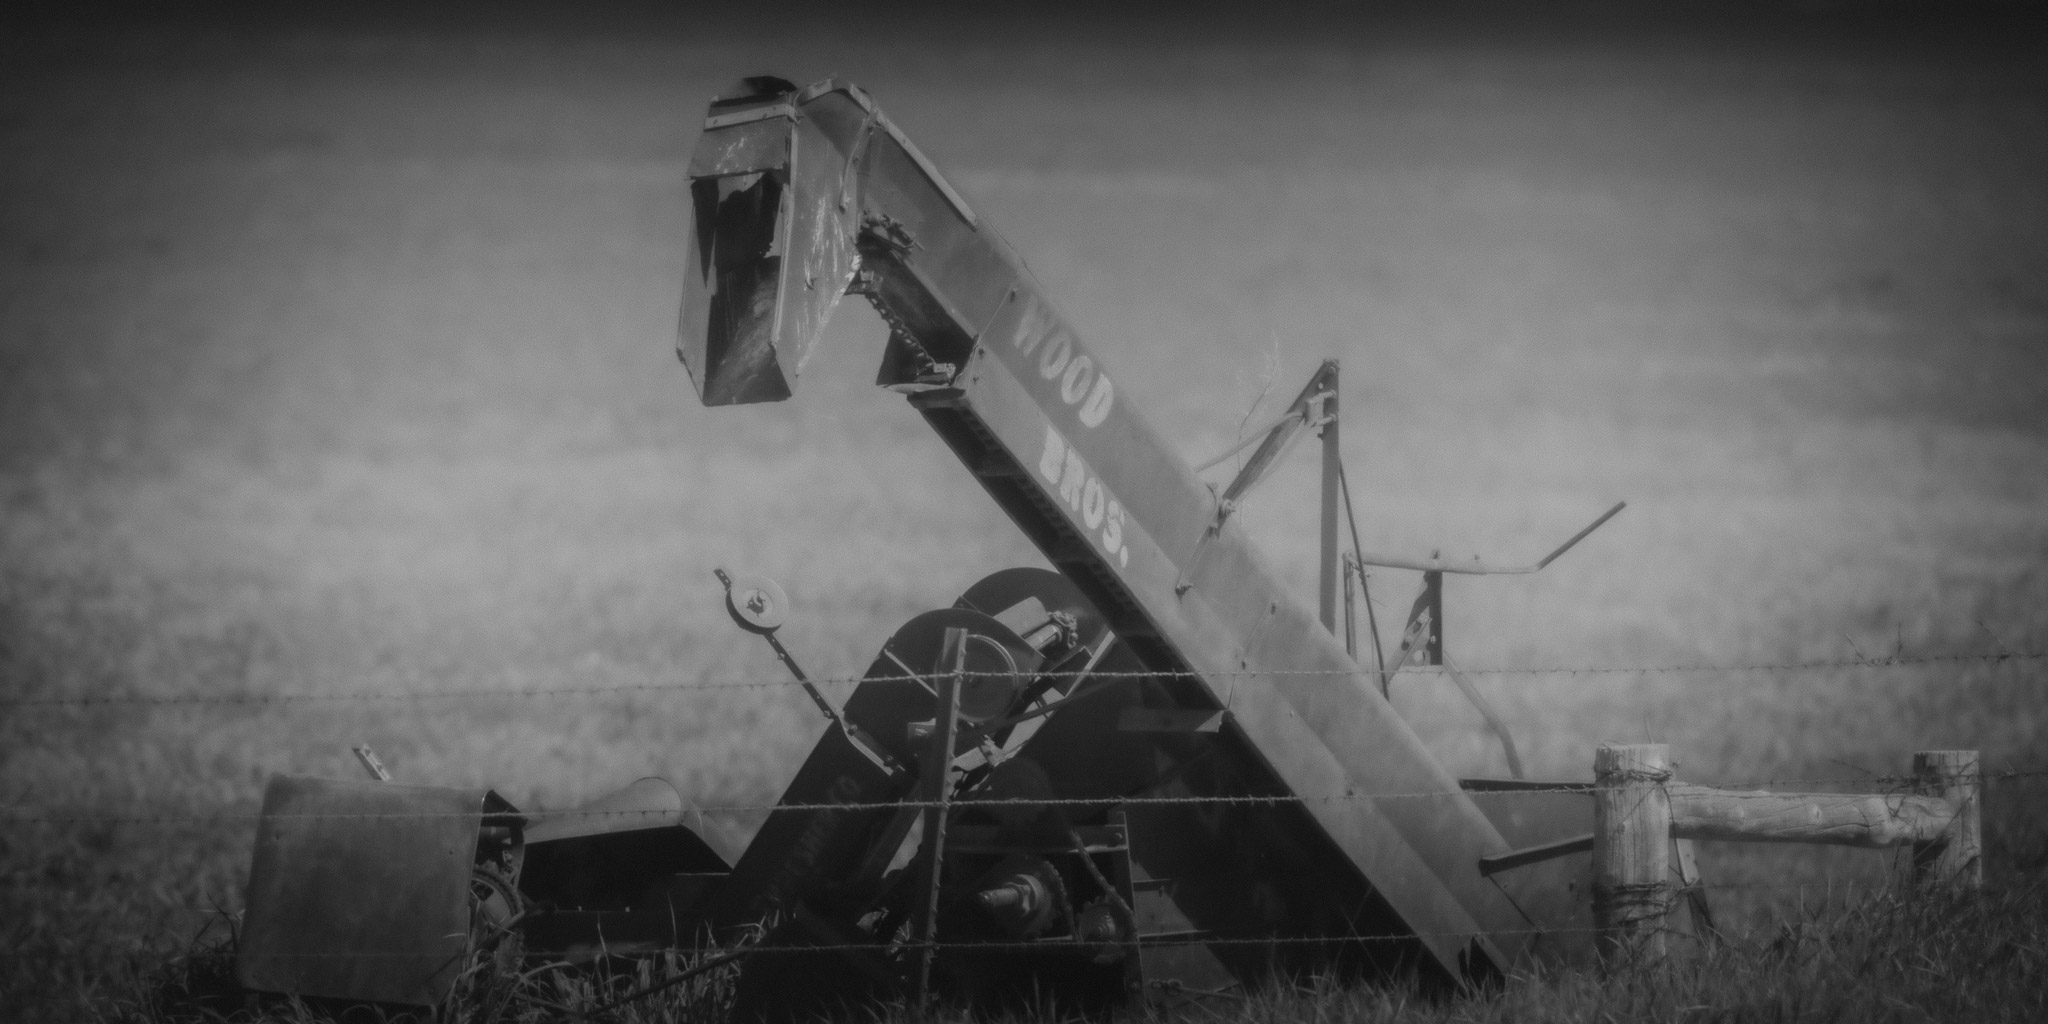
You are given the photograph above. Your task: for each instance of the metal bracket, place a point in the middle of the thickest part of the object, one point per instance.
(1224, 507)
(370, 762)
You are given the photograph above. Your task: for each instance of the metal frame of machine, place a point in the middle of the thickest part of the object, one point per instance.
(1151, 771)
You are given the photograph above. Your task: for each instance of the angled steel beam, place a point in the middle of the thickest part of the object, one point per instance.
(799, 195)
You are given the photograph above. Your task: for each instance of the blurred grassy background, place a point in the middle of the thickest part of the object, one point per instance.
(335, 359)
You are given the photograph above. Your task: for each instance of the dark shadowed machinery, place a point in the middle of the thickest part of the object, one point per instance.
(1149, 773)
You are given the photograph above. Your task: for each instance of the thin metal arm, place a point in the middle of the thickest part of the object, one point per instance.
(1284, 419)
(818, 698)
(1485, 709)
(1475, 567)
(1581, 535)
(787, 659)
(1372, 622)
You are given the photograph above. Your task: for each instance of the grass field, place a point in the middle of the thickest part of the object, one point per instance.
(335, 361)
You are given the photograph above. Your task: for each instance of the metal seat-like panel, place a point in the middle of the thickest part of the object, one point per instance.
(360, 890)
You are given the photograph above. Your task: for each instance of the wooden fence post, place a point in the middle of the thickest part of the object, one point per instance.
(1631, 850)
(1955, 859)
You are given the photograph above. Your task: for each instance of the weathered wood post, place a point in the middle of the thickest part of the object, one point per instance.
(1631, 850)
(1955, 858)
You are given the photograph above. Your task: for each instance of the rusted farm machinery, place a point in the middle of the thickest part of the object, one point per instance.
(1149, 773)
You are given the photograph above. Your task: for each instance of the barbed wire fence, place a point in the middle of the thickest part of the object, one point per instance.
(477, 693)
(25, 814)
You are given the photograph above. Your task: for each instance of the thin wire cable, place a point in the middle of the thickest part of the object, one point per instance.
(1732, 791)
(1379, 657)
(1177, 940)
(1844, 886)
(749, 684)
(913, 944)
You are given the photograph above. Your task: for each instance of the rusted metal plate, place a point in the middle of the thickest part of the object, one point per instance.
(742, 149)
(770, 248)
(360, 890)
(731, 281)
(819, 261)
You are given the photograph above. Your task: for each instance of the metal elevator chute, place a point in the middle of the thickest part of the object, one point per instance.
(1042, 422)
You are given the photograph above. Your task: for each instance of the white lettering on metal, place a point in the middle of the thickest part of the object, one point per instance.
(1084, 493)
(1055, 455)
(1073, 478)
(1096, 409)
(1054, 359)
(1080, 374)
(1031, 329)
(1091, 503)
(1079, 381)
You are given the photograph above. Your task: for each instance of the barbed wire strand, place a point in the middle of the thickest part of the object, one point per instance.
(1834, 885)
(1158, 941)
(1736, 791)
(1845, 887)
(476, 693)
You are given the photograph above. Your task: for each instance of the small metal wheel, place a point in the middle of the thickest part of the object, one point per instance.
(757, 603)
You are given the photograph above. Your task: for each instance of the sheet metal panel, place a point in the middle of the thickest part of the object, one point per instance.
(742, 149)
(360, 890)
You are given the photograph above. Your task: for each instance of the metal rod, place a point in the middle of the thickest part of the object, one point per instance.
(1434, 588)
(1350, 611)
(817, 697)
(1252, 438)
(1535, 854)
(1581, 535)
(1109, 888)
(932, 780)
(1372, 622)
(1493, 719)
(1333, 469)
(909, 674)
(1476, 567)
(1277, 438)
(783, 654)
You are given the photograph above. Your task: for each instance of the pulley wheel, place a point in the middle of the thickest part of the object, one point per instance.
(757, 603)
(991, 681)
(898, 690)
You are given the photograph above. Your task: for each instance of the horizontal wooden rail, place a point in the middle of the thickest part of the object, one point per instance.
(1638, 812)
(1839, 819)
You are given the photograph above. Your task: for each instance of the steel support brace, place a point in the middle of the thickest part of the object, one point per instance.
(934, 789)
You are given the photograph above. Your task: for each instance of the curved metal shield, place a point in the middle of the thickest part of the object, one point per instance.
(361, 890)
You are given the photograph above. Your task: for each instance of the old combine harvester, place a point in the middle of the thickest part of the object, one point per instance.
(1150, 774)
